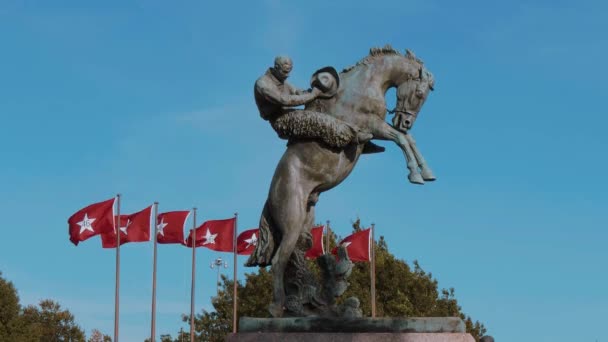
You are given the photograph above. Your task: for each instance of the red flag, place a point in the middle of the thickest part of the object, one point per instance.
(217, 235)
(170, 226)
(92, 220)
(133, 228)
(357, 245)
(246, 241)
(317, 248)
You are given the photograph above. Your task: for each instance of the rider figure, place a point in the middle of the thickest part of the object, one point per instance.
(276, 100)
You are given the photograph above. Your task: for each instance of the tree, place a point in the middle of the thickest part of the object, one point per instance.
(403, 291)
(12, 325)
(54, 323)
(98, 336)
(9, 307)
(400, 291)
(168, 338)
(254, 297)
(47, 323)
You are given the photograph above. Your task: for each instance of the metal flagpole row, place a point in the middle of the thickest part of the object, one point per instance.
(327, 232)
(234, 294)
(116, 290)
(153, 325)
(373, 272)
(193, 273)
(154, 273)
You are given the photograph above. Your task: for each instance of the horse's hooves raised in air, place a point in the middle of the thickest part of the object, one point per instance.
(415, 178)
(275, 310)
(427, 175)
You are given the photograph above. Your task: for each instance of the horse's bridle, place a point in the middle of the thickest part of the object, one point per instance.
(402, 114)
(400, 111)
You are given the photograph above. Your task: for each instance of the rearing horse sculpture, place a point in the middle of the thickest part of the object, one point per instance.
(309, 167)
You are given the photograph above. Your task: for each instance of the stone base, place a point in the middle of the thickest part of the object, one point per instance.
(350, 337)
(352, 325)
(384, 329)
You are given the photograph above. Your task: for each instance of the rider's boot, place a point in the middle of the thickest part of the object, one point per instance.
(363, 137)
(370, 148)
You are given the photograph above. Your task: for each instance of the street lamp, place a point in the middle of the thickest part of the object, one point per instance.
(217, 263)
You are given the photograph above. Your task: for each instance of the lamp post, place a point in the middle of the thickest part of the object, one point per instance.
(217, 263)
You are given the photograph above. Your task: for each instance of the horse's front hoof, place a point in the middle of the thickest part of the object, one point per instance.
(415, 178)
(275, 310)
(427, 174)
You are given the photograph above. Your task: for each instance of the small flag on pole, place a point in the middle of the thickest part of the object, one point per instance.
(92, 220)
(357, 245)
(133, 228)
(246, 241)
(217, 235)
(171, 226)
(318, 247)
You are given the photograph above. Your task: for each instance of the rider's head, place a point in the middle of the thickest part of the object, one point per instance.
(282, 67)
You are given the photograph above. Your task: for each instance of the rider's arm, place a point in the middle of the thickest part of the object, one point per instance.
(272, 94)
(296, 91)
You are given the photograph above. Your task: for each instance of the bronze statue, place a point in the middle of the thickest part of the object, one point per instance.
(276, 99)
(312, 165)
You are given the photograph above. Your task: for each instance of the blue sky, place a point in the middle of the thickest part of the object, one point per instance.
(155, 100)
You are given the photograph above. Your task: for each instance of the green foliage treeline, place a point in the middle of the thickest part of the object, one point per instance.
(401, 290)
(45, 322)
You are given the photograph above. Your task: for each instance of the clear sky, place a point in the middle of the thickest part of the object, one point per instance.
(154, 99)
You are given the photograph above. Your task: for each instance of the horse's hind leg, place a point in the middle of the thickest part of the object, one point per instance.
(290, 220)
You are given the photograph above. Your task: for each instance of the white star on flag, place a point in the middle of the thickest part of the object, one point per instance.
(345, 244)
(86, 224)
(124, 229)
(209, 238)
(253, 240)
(161, 226)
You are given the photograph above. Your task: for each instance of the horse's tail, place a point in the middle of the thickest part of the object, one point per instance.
(266, 246)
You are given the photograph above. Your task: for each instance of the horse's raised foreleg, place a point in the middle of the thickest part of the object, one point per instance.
(425, 170)
(383, 131)
(412, 164)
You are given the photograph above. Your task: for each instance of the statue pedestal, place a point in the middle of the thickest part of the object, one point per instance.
(308, 329)
(350, 337)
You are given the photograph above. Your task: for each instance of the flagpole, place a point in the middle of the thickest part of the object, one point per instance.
(328, 231)
(193, 241)
(373, 273)
(234, 294)
(153, 328)
(116, 290)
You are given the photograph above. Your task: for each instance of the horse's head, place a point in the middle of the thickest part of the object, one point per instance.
(411, 95)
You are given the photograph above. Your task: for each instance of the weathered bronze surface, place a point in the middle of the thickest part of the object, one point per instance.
(326, 140)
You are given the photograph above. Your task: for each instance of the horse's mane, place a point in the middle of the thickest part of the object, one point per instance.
(382, 51)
